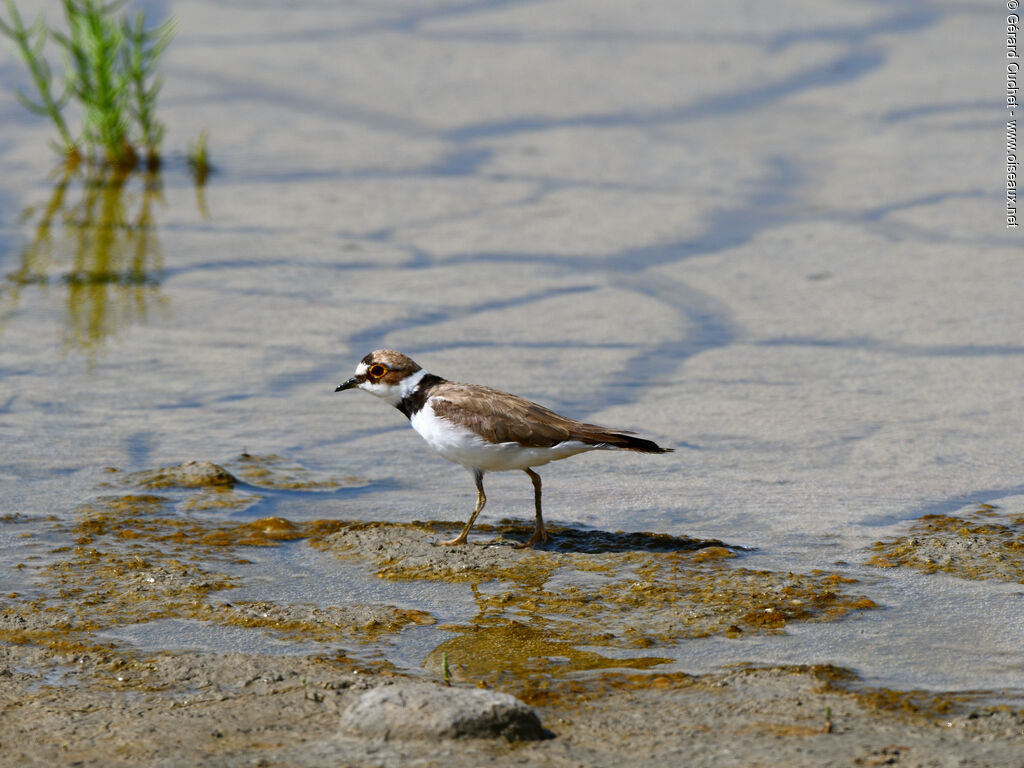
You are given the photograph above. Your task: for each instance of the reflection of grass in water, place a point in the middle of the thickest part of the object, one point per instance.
(109, 235)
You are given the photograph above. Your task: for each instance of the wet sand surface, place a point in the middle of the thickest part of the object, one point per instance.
(770, 237)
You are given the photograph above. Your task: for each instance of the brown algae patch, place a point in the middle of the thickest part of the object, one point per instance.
(505, 652)
(650, 600)
(568, 695)
(978, 544)
(550, 611)
(311, 623)
(130, 561)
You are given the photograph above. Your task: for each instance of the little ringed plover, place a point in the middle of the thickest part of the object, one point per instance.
(484, 429)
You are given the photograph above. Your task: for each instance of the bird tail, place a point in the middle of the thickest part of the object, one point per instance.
(624, 441)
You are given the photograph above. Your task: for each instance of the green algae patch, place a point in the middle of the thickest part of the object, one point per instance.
(977, 544)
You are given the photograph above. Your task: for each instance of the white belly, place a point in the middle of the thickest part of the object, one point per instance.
(463, 446)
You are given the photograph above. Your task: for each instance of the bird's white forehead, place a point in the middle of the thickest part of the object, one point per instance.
(361, 369)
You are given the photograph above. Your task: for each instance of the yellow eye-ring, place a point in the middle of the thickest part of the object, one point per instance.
(376, 371)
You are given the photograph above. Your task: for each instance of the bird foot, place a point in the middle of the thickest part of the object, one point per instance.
(539, 537)
(457, 541)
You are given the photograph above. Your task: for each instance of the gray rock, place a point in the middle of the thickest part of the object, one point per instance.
(421, 711)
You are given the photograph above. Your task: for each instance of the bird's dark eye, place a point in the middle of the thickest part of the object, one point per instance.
(376, 371)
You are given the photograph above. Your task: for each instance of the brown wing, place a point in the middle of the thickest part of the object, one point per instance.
(503, 418)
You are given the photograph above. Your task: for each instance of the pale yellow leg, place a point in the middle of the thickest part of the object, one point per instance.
(481, 499)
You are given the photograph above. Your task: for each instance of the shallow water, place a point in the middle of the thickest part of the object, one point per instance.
(604, 211)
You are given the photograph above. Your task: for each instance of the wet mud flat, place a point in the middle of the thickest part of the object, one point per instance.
(235, 709)
(562, 662)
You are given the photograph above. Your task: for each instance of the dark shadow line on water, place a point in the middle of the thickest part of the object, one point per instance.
(707, 323)
(138, 446)
(243, 264)
(370, 338)
(912, 113)
(763, 206)
(407, 21)
(904, 350)
(912, 18)
(234, 91)
(876, 214)
(567, 345)
(353, 435)
(274, 502)
(943, 506)
(846, 68)
(456, 162)
(411, 21)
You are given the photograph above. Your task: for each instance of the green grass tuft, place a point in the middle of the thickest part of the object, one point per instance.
(110, 72)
